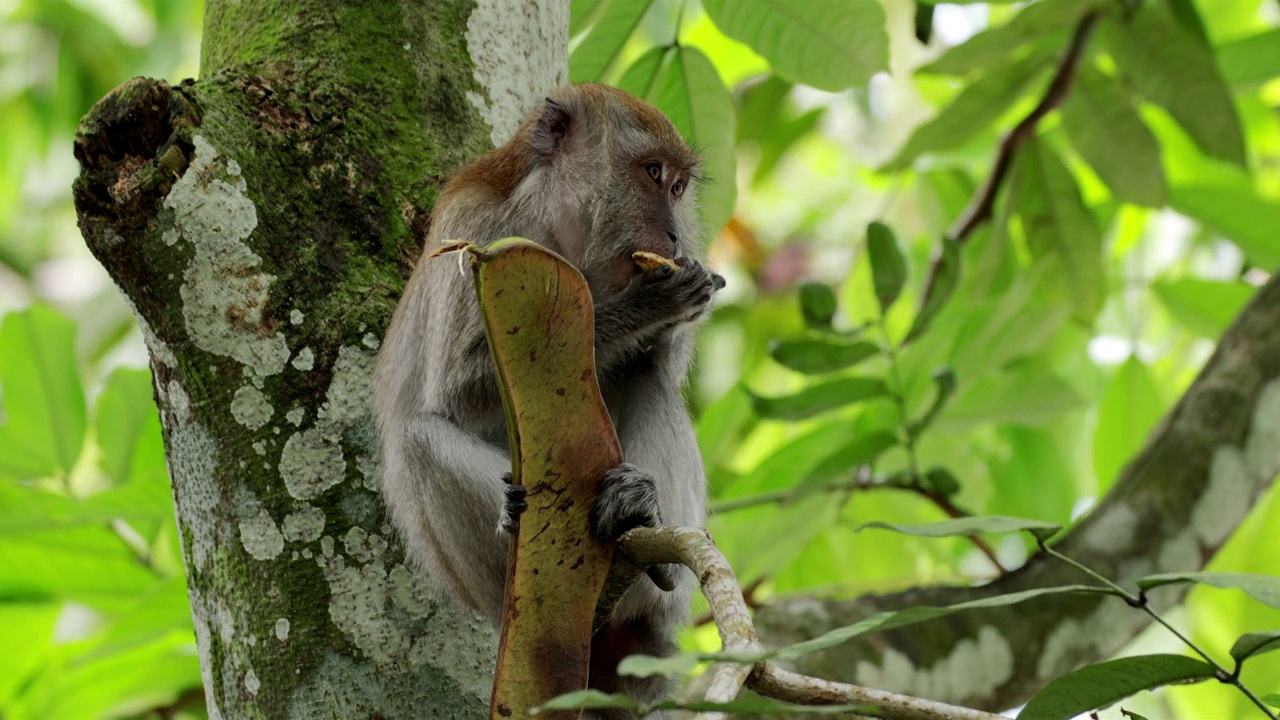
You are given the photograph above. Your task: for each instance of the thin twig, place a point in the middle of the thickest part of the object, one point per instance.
(979, 209)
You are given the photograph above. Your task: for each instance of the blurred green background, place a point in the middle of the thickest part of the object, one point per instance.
(1055, 391)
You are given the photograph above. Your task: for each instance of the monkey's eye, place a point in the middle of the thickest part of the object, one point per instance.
(677, 188)
(655, 171)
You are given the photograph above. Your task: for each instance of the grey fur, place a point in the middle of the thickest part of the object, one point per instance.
(435, 397)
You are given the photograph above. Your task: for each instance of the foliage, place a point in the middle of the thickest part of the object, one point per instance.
(865, 364)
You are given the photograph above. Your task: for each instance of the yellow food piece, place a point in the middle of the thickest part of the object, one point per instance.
(652, 261)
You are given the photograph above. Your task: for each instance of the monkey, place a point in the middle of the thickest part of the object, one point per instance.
(596, 175)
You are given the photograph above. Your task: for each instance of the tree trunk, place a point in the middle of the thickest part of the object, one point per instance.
(262, 221)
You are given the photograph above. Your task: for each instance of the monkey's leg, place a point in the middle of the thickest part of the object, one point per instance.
(462, 500)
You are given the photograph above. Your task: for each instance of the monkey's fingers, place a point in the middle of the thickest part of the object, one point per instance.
(513, 506)
(664, 576)
(648, 261)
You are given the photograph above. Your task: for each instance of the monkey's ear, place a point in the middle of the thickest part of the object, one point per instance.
(552, 128)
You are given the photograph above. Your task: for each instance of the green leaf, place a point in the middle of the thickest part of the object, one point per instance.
(818, 398)
(1059, 229)
(683, 83)
(591, 699)
(1234, 209)
(829, 44)
(944, 380)
(943, 285)
(861, 450)
(1174, 69)
(941, 481)
(43, 399)
(1205, 307)
(1255, 643)
(1263, 588)
(594, 699)
(1272, 699)
(973, 110)
(604, 43)
(80, 563)
(1103, 126)
(969, 526)
(888, 266)
(1252, 60)
(581, 12)
(817, 304)
(794, 459)
(1096, 686)
(1130, 408)
(814, 356)
(128, 427)
(1028, 393)
(26, 633)
(1042, 25)
(650, 666)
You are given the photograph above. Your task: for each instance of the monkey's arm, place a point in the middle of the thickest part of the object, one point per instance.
(653, 305)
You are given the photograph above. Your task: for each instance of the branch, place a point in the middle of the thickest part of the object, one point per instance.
(694, 548)
(979, 209)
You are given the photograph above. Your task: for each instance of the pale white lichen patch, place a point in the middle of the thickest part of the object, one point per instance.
(363, 547)
(251, 408)
(260, 536)
(251, 682)
(204, 648)
(1262, 450)
(1113, 528)
(371, 470)
(371, 341)
(1179, 553)
(1085, 638)
(973, 668)
(282, 629)
(295, 317)
(178, 402)
(305, 360)
(295, 416)
(260, 447)
(347, 399)
(358, 597)
(519, 52)
(193, 463)
(1226, 497)
(304, 525)
(311, 463)
(223, 297)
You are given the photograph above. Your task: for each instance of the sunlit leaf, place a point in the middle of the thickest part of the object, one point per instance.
(818, 398)
(1130, 409)
(26, 633)
(815, 356)
(1096, 686)
(1104, 127)
(945, 278)
(1059, 229)
(683, 83)
(581, 12)
(860, 450)
(944, 382)
(1176, 70)
(1263, 588)
(973, 110)
(1027, 393)
(608, 36)
(1205, 307)
(1251, 60)
(1235, 210)
(43, 399)
(829, 44)
(128, 427)
(1043, 25)
(1272, 699)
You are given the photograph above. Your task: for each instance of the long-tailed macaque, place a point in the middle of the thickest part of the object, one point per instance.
(595, 175)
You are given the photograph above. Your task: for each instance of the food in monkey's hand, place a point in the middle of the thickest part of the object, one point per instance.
(649, 262)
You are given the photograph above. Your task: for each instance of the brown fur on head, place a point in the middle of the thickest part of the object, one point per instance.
(599, 173)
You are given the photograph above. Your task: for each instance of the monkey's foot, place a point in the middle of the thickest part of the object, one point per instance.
(628, 499)
(513, 505)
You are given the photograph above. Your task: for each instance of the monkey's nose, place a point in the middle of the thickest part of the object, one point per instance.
(675, 241)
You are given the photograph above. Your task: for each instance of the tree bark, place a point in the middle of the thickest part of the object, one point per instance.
(261, 223)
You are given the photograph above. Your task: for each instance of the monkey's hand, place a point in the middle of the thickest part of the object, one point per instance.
(666, 296)
(513, 505)
(629, 499)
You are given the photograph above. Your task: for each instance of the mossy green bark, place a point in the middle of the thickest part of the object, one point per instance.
(262, 222)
